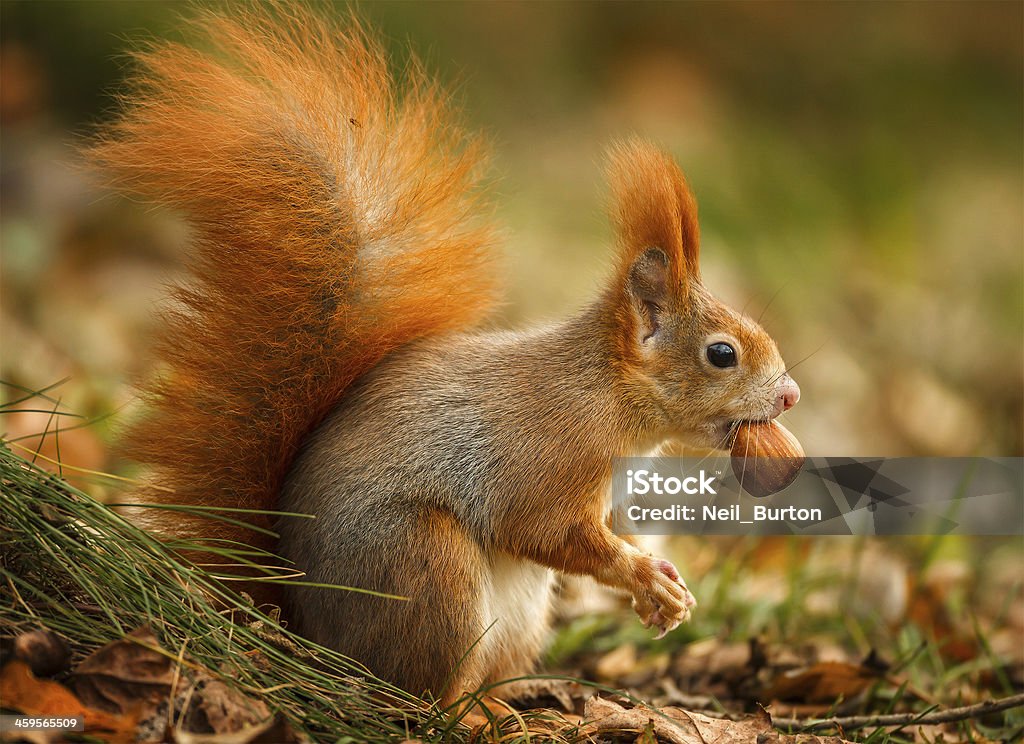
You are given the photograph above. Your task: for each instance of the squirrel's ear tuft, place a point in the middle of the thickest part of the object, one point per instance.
(653, 207)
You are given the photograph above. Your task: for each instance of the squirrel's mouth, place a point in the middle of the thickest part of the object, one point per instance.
(727, 429)
(723, 430)
(731, 424)
(726, 432)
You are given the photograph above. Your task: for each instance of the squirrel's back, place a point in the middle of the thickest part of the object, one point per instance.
(334, 211)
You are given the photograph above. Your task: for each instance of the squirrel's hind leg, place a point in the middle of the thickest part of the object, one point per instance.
(423, 644)
(516, 604)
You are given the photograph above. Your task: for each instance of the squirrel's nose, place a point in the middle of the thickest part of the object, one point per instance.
(786, 394)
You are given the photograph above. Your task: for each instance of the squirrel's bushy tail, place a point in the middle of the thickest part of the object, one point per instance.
(335, 215)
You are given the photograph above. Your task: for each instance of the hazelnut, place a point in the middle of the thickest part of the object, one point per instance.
(766, 457)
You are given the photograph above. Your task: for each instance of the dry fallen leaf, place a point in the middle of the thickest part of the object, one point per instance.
(929, 609)
(708, 729)
(22, 691)
(824, 682)
(616, 663)
(229, 710)
(274, 730)
(678, 726)
(673, 725)
(128, 674)
(777, 738)
(569, 695)
(134, 674)
(647, 736)
(45, 652)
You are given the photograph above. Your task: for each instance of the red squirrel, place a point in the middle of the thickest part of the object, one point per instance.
(325, 354)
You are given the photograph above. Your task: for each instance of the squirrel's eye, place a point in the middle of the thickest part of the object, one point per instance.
(722, 355)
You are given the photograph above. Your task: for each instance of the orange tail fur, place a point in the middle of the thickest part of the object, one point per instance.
(334, 212)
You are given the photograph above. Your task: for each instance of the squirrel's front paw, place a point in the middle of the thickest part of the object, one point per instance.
(661, 598)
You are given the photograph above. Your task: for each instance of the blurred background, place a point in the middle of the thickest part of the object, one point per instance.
(859, 174)
(858, 168)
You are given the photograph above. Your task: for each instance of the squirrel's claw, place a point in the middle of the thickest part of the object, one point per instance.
(665, 602)
(664, 625)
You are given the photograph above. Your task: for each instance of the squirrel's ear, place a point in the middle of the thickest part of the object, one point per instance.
(653, 206)
(648, 288)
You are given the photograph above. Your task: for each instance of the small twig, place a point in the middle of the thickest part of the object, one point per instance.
(905, 719)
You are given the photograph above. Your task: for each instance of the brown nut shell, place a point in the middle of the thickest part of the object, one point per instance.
(766, 457)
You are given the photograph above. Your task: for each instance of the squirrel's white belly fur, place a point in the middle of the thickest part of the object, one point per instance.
(516, 605)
